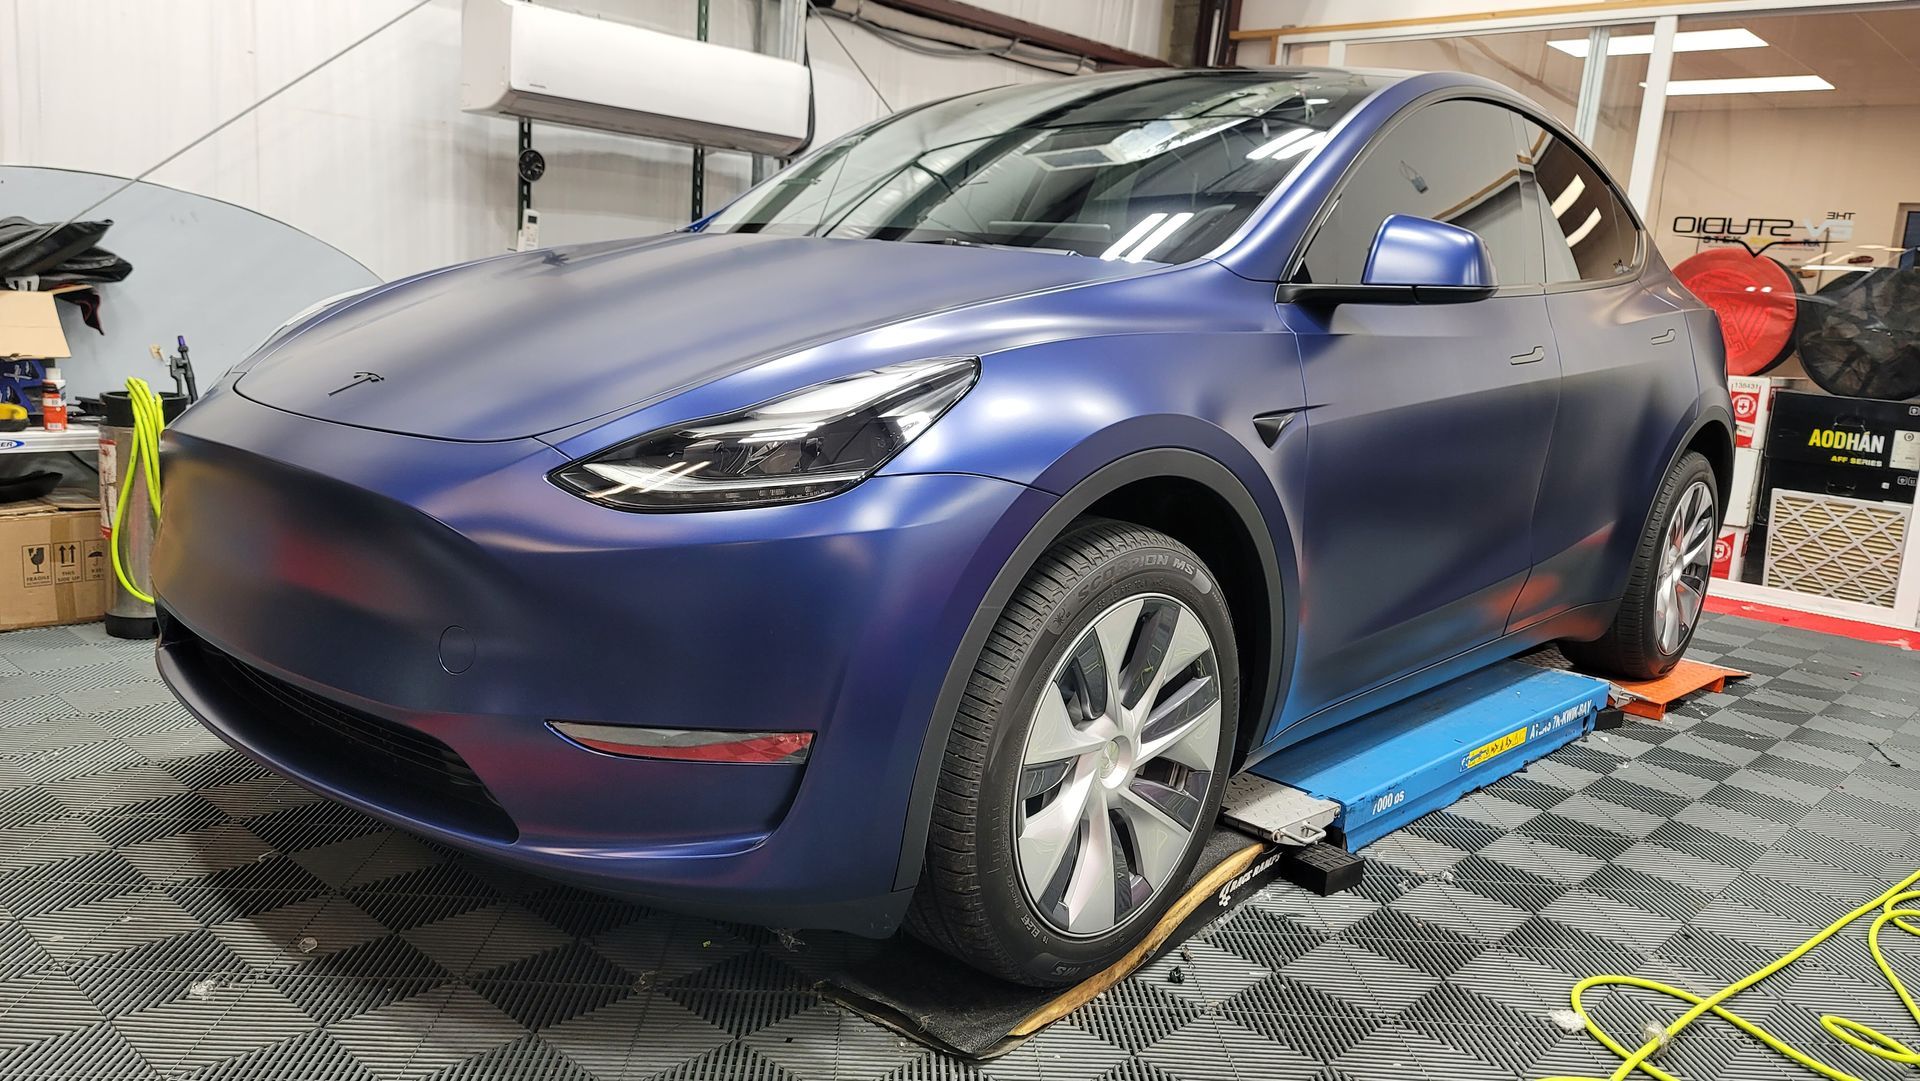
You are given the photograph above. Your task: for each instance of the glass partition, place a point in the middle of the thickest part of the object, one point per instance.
(1785, 197)
(1311, 54)
(1525, 61)
(1804, 138)
(1548, 66)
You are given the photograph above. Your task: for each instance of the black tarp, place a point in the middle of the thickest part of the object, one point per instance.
(1862, 340)
(60, 255)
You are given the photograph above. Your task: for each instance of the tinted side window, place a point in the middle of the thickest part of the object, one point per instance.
(1453, 161)
(1589, 234)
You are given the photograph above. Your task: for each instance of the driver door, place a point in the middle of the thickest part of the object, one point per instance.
(1428, 424)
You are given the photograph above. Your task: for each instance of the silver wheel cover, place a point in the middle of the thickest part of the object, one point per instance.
(1686, 559)
(1116, 765)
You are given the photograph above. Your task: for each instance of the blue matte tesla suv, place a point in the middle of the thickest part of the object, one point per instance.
(924, 538)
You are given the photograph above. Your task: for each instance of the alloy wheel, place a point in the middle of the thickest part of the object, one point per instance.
(1686, 559)
(1117, 764)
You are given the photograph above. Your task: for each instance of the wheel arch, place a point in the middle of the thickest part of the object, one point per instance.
(1712, 437)
(1185, 494)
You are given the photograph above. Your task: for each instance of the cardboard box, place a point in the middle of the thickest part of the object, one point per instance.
(1744, 487)
(30, 326)
(1849, 433)
(1846, 481)
(53, 562)
(1730, 553)
(1753, 405)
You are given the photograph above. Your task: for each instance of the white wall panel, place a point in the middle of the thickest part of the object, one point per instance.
(843, 100)
(372, 154)
(1130, 24)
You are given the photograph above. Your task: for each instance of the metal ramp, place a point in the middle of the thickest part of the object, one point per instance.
(1357, 783)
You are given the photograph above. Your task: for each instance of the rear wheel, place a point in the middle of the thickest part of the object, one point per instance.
(1087, 761)
(1667, 587)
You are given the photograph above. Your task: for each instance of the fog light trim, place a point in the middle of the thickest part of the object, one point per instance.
(690, 744)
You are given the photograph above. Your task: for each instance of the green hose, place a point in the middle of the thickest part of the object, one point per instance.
(145, 456)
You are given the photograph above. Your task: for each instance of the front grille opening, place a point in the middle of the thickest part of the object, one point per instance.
(383, 762)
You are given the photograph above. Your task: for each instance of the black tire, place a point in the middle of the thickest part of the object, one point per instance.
(970, 901)
(1631, 648)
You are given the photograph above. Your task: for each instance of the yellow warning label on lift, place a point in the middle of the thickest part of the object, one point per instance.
(1488, 751)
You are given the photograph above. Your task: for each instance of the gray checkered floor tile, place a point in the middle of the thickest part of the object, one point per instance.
(169, 910)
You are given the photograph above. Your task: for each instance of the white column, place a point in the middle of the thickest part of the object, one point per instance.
(1653, 113)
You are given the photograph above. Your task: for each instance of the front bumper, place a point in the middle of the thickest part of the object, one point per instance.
(393, 621)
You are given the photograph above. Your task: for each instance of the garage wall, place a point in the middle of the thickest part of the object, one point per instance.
(372, 154)
(1798, 163)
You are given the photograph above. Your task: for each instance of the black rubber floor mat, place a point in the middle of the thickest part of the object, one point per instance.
(930, 997)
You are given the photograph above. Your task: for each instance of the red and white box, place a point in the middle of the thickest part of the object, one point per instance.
(1744, 487)
(1753, 406)
(1729, 552)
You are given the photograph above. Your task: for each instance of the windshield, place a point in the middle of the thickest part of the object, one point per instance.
(1139, 166)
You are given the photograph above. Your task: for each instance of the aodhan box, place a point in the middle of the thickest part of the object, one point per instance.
(1854, 433)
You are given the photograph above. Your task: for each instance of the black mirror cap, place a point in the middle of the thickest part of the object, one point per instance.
(1324, 297)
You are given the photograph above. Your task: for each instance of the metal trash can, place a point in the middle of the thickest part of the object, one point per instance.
(128, 616)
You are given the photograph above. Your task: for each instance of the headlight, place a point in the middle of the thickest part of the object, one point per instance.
(812, 443)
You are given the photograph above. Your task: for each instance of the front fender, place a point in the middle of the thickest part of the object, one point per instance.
(1278, 567)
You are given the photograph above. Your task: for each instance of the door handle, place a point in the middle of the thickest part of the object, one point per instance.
(1663, 337)
(1537, 353)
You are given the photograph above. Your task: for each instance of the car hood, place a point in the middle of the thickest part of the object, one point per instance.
(524, 344)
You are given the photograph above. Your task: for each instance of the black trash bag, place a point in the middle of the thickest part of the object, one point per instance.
(90, 267)
(1863, 340)
(31, 247)
(67, 253)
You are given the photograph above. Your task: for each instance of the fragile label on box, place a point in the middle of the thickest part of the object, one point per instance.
(36, 565)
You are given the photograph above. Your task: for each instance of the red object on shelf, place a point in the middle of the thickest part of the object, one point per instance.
(1754, 297)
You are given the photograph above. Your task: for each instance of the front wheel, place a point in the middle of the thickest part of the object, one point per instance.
(1087, 761)
(1667, 586)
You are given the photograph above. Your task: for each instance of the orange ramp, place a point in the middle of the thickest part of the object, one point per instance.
(1652, 698)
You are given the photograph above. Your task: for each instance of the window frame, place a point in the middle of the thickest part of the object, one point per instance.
(1641, 242)
(1511, 105)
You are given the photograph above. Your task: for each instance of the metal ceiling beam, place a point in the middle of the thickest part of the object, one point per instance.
(1006, 26)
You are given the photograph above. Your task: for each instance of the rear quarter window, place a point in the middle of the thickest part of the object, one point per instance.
(1590, 235)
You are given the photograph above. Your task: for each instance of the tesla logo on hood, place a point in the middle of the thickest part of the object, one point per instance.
(358, 378)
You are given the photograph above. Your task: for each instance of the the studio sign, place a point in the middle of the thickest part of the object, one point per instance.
(1838, 225)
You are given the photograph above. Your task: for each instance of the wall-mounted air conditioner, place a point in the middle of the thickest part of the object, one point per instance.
(523, 60)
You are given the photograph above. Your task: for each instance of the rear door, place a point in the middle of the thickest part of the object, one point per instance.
(1625, 359)
(1427, 424)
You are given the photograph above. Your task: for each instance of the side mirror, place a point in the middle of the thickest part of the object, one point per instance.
(1413, 261)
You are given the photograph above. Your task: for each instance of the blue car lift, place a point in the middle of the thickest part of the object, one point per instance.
(1309, 806)
(1357, 783)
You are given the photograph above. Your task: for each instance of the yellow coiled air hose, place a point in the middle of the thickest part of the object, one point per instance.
(144, 457)
(1845, 1029)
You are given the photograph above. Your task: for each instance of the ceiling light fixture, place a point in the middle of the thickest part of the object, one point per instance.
(1758, 84)
(1686, 41)
(1567, 198)
(1273, 146)
(1295, 149)
(1159, 236)
(1593, 220)
(1140, 228)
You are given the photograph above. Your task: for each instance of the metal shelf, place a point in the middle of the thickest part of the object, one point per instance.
(80, 437)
